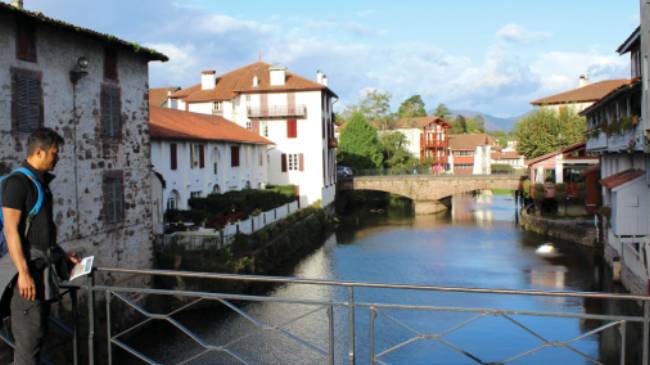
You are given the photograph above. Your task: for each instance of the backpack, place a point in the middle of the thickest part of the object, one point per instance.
(32, 213)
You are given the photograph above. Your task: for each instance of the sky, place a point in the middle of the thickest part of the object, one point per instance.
(491, 56)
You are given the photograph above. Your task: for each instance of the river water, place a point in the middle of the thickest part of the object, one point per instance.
(476, 245)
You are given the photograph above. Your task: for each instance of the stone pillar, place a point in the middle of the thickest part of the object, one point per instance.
(424, 207)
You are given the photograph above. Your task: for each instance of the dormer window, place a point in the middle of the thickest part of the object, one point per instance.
(256, 81)
(217, 107)
(26, 41)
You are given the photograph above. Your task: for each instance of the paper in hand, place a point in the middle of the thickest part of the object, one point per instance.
(84, 267)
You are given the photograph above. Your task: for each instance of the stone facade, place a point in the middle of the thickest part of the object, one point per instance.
(575, 230)
(86, 157)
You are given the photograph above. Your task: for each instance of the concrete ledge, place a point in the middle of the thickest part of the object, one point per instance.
(566, 230)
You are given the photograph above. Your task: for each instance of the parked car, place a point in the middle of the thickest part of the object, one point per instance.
(344, 173)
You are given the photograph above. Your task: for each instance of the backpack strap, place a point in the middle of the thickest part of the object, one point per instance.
(39, 199)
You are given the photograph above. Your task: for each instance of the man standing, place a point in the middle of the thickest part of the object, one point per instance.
(37, 259)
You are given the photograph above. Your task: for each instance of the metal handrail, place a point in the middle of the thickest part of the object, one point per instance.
(374, 309)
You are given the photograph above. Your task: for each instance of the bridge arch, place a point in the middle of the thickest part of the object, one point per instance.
(427, 191)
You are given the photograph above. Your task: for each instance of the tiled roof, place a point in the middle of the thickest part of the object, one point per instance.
(469, 142)
(605, 100)
(621, 178)
(588, 93)
(105, 38)
(241, 81)
(566, 149)
(165, 123)
(158, 96)
(419, 122)
(510, 155)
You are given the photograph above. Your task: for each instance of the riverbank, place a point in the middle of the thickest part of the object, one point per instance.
(578, 230)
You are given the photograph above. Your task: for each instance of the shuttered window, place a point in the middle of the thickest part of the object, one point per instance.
(292, 128)
(110, 64)
(173, 156)
(27, 103)
(113, 187)
(234, 156)
(26, 41)
(111, 112)
(201, 156)
(283, 163)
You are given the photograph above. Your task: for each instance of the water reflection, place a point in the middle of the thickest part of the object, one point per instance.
(477, 244)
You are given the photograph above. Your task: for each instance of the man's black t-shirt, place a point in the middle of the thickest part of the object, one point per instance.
(21, 194)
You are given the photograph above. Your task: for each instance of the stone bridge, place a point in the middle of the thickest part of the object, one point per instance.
(427, 191)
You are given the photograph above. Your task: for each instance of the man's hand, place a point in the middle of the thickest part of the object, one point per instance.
(26, 286)
(73, 257)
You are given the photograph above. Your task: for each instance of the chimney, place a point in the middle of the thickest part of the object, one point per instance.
(584, 81)
(208, 80)
(17, 4)
(324, 80)
(319, 77)
(277, 75)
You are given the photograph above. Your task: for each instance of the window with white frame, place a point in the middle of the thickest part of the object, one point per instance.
(217, 107)
(249, 125)
(293, 161)
(195, 158)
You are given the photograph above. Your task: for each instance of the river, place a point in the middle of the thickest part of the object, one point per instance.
(477, 244)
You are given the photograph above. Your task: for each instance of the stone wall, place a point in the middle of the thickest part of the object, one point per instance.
(126, 244)
(579, 231)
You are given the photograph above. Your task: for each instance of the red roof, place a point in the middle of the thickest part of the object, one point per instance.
(165, 123)
(567, 149)
(158, 96)
(469, 142)
(610, 182)
(588, 93)
(241, 81)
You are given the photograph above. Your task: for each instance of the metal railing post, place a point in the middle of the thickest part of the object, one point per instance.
(75, 326)
(330, 316)
(109, 340)
(623, 329)
(91, 319)
(373, 315)
(351, 324)
(646, 331)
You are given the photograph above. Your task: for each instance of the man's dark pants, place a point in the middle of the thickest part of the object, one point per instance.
(29, 321)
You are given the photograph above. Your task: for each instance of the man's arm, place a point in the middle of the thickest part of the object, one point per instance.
(26, 285)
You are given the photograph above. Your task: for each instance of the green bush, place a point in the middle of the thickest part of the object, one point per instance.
(539, 192)
(560, 192)
(501, 168)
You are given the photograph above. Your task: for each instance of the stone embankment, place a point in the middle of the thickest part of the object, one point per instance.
(579, 230)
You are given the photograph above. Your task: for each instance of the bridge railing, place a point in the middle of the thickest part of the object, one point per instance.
(428, 171)
(351, 319)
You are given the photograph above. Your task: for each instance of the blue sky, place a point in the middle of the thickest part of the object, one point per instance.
(491, 56)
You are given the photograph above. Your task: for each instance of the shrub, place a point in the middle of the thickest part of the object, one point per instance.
(500, 168)
(539, 193)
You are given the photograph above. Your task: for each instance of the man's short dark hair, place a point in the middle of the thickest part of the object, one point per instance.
(43, 138)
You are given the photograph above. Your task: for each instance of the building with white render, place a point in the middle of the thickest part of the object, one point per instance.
(427, 138)
(201, 154)
(293, 112)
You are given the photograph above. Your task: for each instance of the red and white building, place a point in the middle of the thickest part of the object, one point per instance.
(293, 112)
(470, 154)
(427, 138)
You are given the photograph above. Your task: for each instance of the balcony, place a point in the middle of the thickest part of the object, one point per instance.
(629, 140)
(278, 111)
(597, 141)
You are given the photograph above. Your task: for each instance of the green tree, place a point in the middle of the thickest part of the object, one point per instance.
(476, 124)
(442, 111)
(458, 125)
(545, 130)
(412, 107)
(359, 146)
(396, 154)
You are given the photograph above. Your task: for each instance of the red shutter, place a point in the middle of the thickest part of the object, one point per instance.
(256, 126)
(201, 156)
(173, 157)
(283, 162)
(301, 162)
(292, 128)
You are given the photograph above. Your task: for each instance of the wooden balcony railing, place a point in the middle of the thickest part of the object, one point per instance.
(278, 111)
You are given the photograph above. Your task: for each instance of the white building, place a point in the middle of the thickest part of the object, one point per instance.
(201, 154)
(580, 98)
(470, 154)
(293, 112)
(617, 127)
(91, 88)
(508, 157)
(427, 138)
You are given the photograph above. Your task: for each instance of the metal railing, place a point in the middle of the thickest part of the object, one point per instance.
(350, 307)
(278, 111)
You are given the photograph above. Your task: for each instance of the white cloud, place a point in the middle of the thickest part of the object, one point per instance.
(514, 33)
(182, 63)
(221, 24)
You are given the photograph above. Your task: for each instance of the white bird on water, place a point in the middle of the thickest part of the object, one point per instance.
(547, 250)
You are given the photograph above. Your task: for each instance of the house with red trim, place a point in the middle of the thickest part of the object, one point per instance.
(470, 154)
(427, 138)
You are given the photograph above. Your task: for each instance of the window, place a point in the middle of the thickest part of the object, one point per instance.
(27, 100)
(111, 112)
(173, 156)
(260, 158)
(216, 189)
(266, 129)
(216, 107)
(172, 203)
(26, 41)
(110, 64)
(197, 156)
(293, 162)
(234, 156)
(292, 128)
(195, 194)
(113, 188)
(249, 125)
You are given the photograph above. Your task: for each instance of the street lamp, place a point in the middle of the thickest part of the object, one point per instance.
(80, 70)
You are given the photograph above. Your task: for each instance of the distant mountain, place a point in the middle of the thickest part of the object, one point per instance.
(492, 123)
